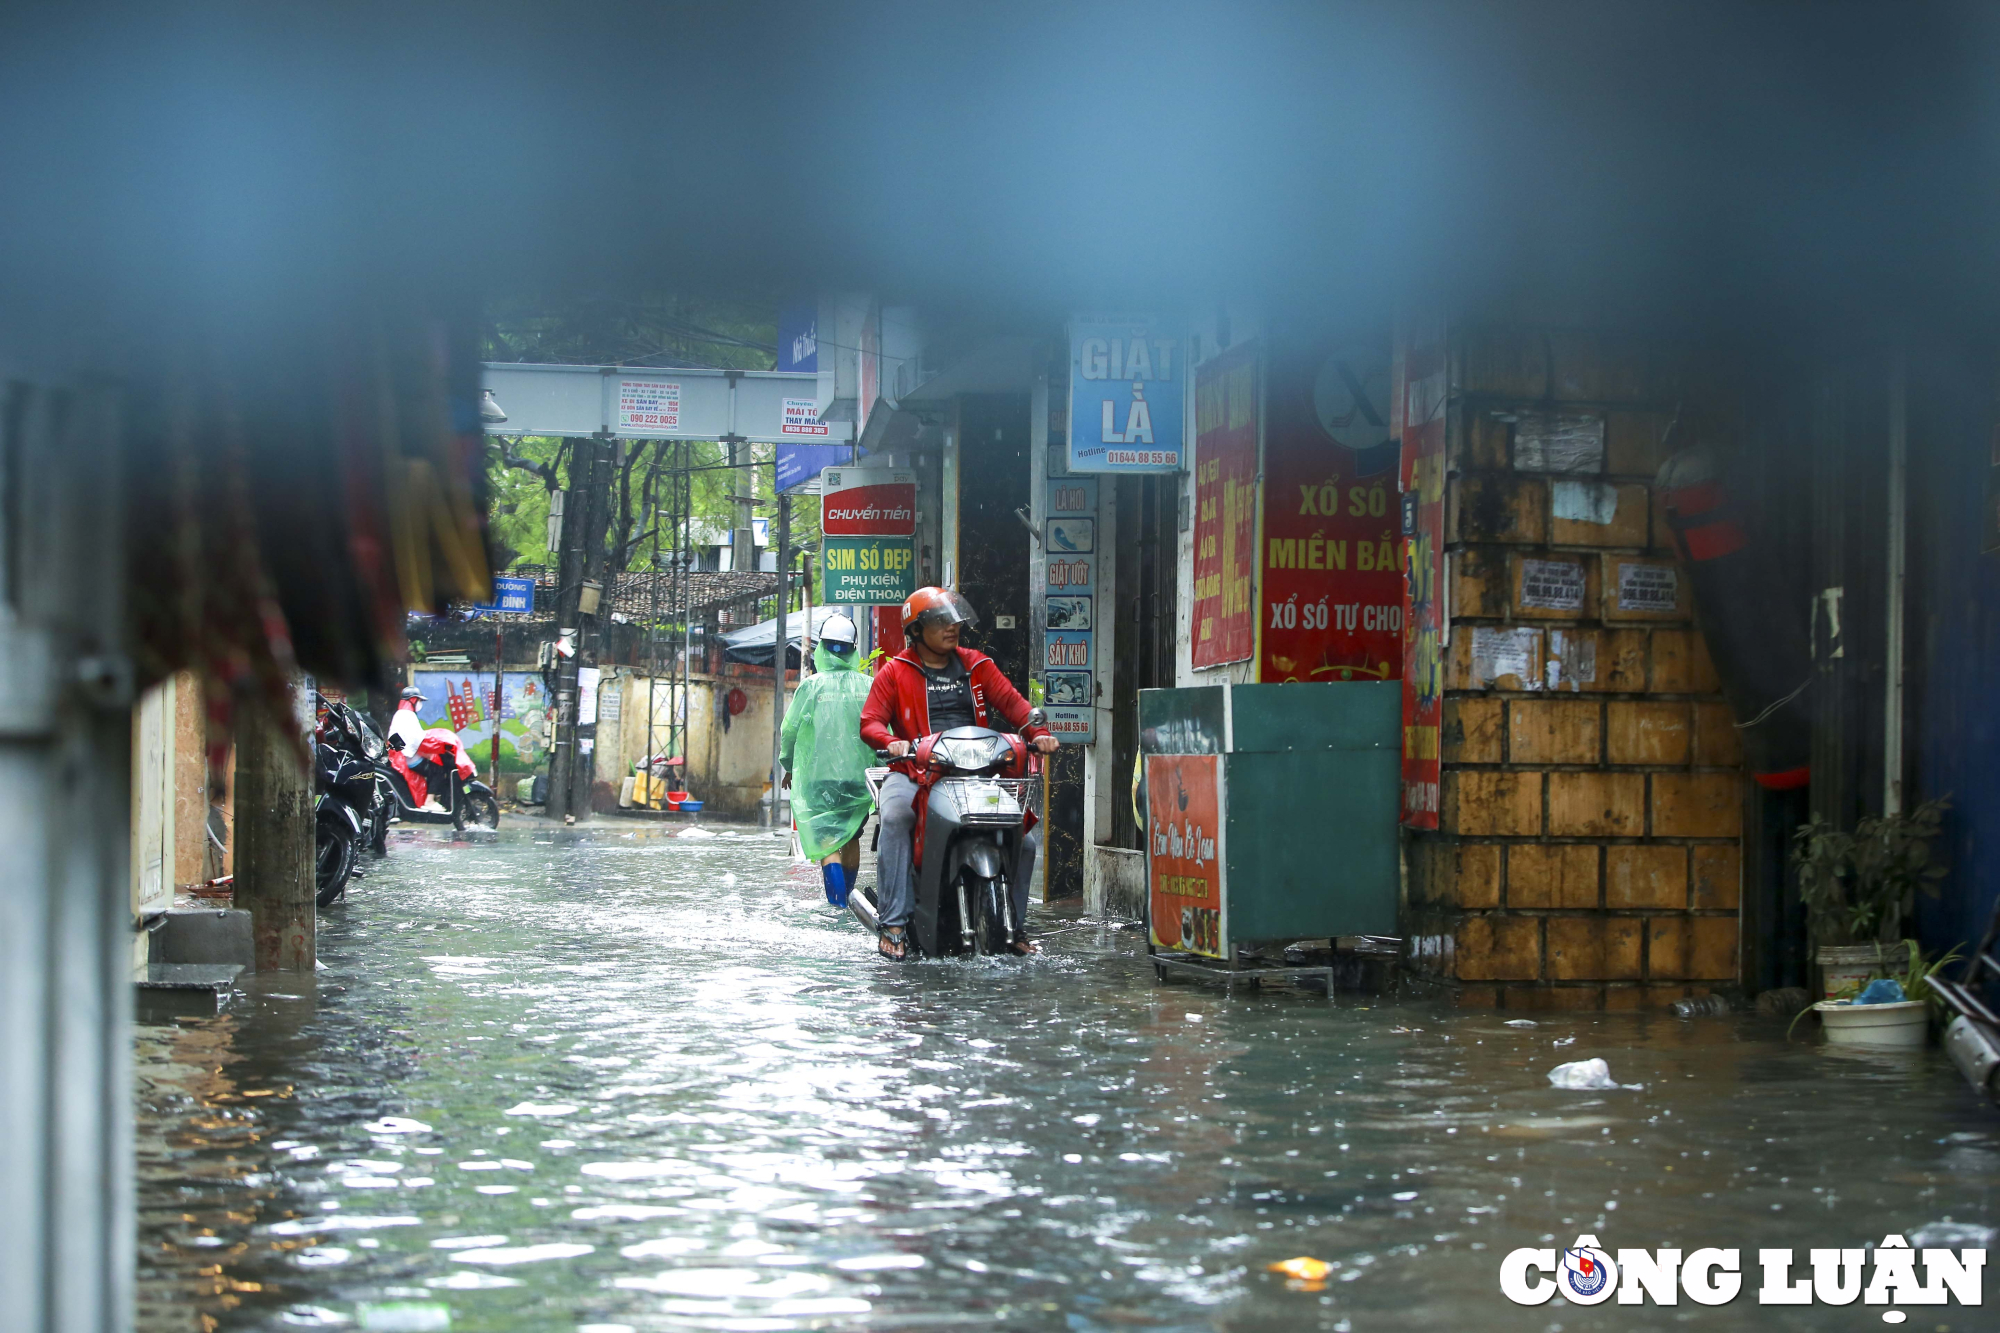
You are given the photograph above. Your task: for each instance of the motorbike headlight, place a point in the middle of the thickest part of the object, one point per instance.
(969, 752)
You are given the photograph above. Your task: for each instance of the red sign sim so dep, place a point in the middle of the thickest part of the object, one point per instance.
(867, 502)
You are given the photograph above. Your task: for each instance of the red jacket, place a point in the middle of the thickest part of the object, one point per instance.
(899, 702)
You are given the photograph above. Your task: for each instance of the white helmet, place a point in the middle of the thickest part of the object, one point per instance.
(837, 632)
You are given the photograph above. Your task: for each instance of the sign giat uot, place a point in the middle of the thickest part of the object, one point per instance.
(869, 518)
(1069, 608)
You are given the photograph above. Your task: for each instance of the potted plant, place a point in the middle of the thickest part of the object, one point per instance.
(1900, 1017)
(1858, 887)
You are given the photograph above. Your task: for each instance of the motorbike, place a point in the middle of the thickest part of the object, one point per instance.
(978, 789)
(344, 798)
(350, 731)
(445, 772)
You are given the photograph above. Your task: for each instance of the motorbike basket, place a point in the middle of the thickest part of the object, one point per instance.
(1025, 793)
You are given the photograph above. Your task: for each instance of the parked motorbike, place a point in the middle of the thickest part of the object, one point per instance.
(344, 797)
(350, 731)
(978, 789)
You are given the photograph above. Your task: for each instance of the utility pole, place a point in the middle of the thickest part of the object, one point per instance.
(274, 841)
(782, 638)
(743, 540)
(585, 519)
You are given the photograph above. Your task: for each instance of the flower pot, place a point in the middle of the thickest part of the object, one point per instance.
(1847, 967)
(1904, 1025)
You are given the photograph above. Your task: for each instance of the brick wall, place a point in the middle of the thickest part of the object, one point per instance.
(1589, 845)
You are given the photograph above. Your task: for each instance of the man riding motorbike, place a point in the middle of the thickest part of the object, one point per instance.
(932, 686)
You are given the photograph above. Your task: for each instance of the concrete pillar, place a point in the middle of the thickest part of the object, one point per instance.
(274, 846)
(66, 1164)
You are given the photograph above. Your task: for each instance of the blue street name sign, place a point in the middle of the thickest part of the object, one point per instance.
(510, 594)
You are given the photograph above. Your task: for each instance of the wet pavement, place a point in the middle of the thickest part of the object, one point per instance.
(616, 1078)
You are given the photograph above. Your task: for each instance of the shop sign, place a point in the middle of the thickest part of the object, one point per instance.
(867, 502)
(867, 571)
(1223, 623)
(1069, 608)
(1418, 374)
(1184, 853)
(1332, 588)
(1125, 390)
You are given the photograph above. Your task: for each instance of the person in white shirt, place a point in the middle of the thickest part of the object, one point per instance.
(406, 723)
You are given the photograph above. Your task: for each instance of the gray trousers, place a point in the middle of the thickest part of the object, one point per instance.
(895, 859)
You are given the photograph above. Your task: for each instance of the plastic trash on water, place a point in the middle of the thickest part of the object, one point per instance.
(1302, 1273)
(1883, 990)
(1520, 1022)
(1587, 1076)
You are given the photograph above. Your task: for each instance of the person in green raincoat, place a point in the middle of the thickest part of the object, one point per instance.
(825, 758)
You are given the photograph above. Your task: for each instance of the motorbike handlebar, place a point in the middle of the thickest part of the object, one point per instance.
(1035, 757)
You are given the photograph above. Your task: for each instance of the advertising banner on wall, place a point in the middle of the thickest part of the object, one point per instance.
(1332, 587)
(1069, 608)
(1184, 853)
(465, 702)
(1419, 421)
(1125, 389)
(1225, 498)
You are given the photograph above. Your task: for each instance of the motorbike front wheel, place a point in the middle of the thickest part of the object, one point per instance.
(987, 899)
(333, 859)
(482, 808)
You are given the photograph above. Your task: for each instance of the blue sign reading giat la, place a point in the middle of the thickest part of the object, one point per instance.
(1125, 393)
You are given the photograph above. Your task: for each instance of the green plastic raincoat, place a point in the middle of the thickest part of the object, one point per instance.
(821, 747)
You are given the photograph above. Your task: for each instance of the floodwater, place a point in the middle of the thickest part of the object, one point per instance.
(613, 1078)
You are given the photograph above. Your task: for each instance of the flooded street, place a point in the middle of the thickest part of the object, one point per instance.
(614, 1077)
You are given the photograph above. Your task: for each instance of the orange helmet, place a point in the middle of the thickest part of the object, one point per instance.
(935, 606)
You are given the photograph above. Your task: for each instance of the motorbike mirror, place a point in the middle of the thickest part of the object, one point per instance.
(395, 742)
(1037, 718)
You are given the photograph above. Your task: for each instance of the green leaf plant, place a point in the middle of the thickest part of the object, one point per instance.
(1859, 887)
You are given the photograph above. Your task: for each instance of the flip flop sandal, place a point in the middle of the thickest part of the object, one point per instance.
(896, 938)
(1024, 948)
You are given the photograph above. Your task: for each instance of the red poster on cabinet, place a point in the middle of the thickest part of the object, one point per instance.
(1184, 852)
(1225, 497)
(1420, 424)
(1332, 591)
